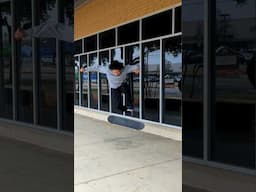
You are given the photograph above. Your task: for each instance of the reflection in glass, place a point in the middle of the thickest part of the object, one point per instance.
(84, 80)
(93, 81)
(151, 80)
(177, 26)
(234, 134)
(128, 33)
(172, 73)
(67, 86)
(5, 61)
(78, 46)
(104, 88)
(66, 10)
(131, 53)
(157, 25)
(47, 83)
(24, 63)
(46, 11)
(117, 55)
(77, 73)
(107, 39)
(192, 80)
(90, 43)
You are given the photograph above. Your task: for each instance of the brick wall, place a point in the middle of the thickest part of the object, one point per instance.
(98, 15)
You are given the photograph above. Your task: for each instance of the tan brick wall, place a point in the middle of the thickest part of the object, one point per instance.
(98, 15)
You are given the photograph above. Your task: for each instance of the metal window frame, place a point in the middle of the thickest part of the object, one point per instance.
(161, 78)
(133, 43)
(109, 93)
(123, 95)
(209, 77)
(141, 71)
(13, 63)
(98, 74)
(80, 91)
(35, 68)
(88, 85)
(59, 74)
(173, 20)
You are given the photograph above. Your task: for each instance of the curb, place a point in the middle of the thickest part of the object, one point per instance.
(170, 132)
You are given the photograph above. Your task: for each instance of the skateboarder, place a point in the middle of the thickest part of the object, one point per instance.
(116, 74)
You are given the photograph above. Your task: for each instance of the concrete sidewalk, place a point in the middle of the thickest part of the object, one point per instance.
(117, 159)
(25, 167)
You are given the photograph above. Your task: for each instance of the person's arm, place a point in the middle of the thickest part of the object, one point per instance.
(95, 68)
(132, 69)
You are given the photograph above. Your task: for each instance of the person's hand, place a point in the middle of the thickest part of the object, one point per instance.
(137, 71)
(82, 70)
(19, 34)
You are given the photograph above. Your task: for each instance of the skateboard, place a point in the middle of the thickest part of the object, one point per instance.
(125, 122)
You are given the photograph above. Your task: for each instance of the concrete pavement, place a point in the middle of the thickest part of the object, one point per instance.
(25, 167)
(111, 158)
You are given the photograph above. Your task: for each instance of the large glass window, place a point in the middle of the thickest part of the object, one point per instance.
(47, 83)
(6, 103)
(66, 13)
(157, 25)
(234, 134)
(128, 33)
(36, 62)
(151, 80)
(84, 80)
(24, 62)
(90, 43)
(172, 74)
(104, 88)
(93, 79)
(192, 80)
(107, 39)
(67, 86)
(177, 26)
(78, 46)
(67, 51)
(47, 65)
(132, 53)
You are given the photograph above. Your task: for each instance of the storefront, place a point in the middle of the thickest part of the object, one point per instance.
(219, 93)
(36, 63)
(156, 91)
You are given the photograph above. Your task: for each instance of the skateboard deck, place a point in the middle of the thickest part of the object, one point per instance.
(125, 122)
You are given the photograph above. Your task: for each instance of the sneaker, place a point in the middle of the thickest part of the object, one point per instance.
(130, 108)
(123, 108)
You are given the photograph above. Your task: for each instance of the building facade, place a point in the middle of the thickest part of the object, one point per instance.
(36, 63)
(109, 30)
(215, 69)
(219, 92)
